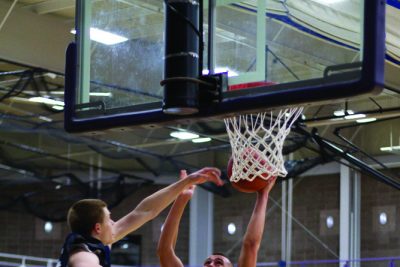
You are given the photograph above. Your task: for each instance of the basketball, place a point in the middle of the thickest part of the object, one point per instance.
(244, 185)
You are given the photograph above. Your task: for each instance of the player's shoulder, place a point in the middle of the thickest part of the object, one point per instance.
(83, 259)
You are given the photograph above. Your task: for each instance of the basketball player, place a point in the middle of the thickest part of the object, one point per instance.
(93, 230)
(251, 240)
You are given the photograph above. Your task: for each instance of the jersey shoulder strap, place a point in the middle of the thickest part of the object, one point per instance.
(76, 243)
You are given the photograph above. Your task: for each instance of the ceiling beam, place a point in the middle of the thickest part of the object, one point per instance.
(51, 6)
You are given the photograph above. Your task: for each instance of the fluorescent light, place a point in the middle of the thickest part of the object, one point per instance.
(104, 37)
(328, 2)
(336, 119)
(354, 116)
(366, 120)
(46, 100)
(101, 94)
(342, 112)
(51, 75)
(57, 107)
(390, 148)
(201, 140)
(109, 94)
(44, 118)
(184, 135)
(231, 73)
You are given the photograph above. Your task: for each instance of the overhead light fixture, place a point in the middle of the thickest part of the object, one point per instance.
(355, 116)
(104, 37)
(201, 140)
(46, 100)
(183, 135)
(361, 117)
(231, 73)
(51, 75)
(328, 2)
(108, 94)
(366, 120)
(44, 118)
(55, 107)
(342, 112)
(390, 148)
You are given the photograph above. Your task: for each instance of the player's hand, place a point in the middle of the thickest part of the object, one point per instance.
(208, 174)
(271, 182)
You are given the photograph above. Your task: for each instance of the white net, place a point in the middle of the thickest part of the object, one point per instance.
(257, 142)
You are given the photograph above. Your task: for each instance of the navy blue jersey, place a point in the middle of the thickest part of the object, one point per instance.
(76, 243)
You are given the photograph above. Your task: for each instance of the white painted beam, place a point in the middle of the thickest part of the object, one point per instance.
(51, 6)
(34, 40)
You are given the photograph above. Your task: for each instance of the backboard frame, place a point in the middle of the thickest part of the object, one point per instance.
(295, 93)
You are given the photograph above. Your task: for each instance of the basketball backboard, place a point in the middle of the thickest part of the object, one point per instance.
(275, 53)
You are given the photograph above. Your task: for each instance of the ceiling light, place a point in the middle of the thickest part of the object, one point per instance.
(354, 116)
(390, 148)
(342, 112)
(183, 135)
(46, 100)
(44, 118)
(328, 2)
(109, 94)
(230, 72)
(57, 107)
(101, 94)
(201, 140)
(104, 37)
(366, 120)
(51, 75)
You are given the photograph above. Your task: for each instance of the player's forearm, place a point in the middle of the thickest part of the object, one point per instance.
(170, 230)
(158, 201)
(255, 228)
(148, 209)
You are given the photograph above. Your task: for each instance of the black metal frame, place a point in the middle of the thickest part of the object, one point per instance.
(370, 81)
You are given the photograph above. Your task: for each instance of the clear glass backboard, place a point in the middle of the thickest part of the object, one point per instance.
(275, 53)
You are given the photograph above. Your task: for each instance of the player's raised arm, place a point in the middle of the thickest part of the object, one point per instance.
(169, 233)
(255, 228)
(151, 206)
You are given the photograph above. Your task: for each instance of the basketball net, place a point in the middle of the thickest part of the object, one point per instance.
(257, 142)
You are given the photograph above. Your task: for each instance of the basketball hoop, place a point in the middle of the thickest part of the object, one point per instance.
(257, 142)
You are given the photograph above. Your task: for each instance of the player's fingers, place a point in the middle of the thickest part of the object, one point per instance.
(210, 177)
(211, 169)
(182, 174)
(215, 178)
(271, 182)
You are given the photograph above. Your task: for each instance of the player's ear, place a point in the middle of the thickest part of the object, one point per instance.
(97, 228)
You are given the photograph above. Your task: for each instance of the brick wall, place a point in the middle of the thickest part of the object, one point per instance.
(314, 199)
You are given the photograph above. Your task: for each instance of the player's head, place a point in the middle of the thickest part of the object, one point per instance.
(90, 217)
(217, 260)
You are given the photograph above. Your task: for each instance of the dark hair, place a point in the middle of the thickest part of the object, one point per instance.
(84, 214)
(223, 255)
